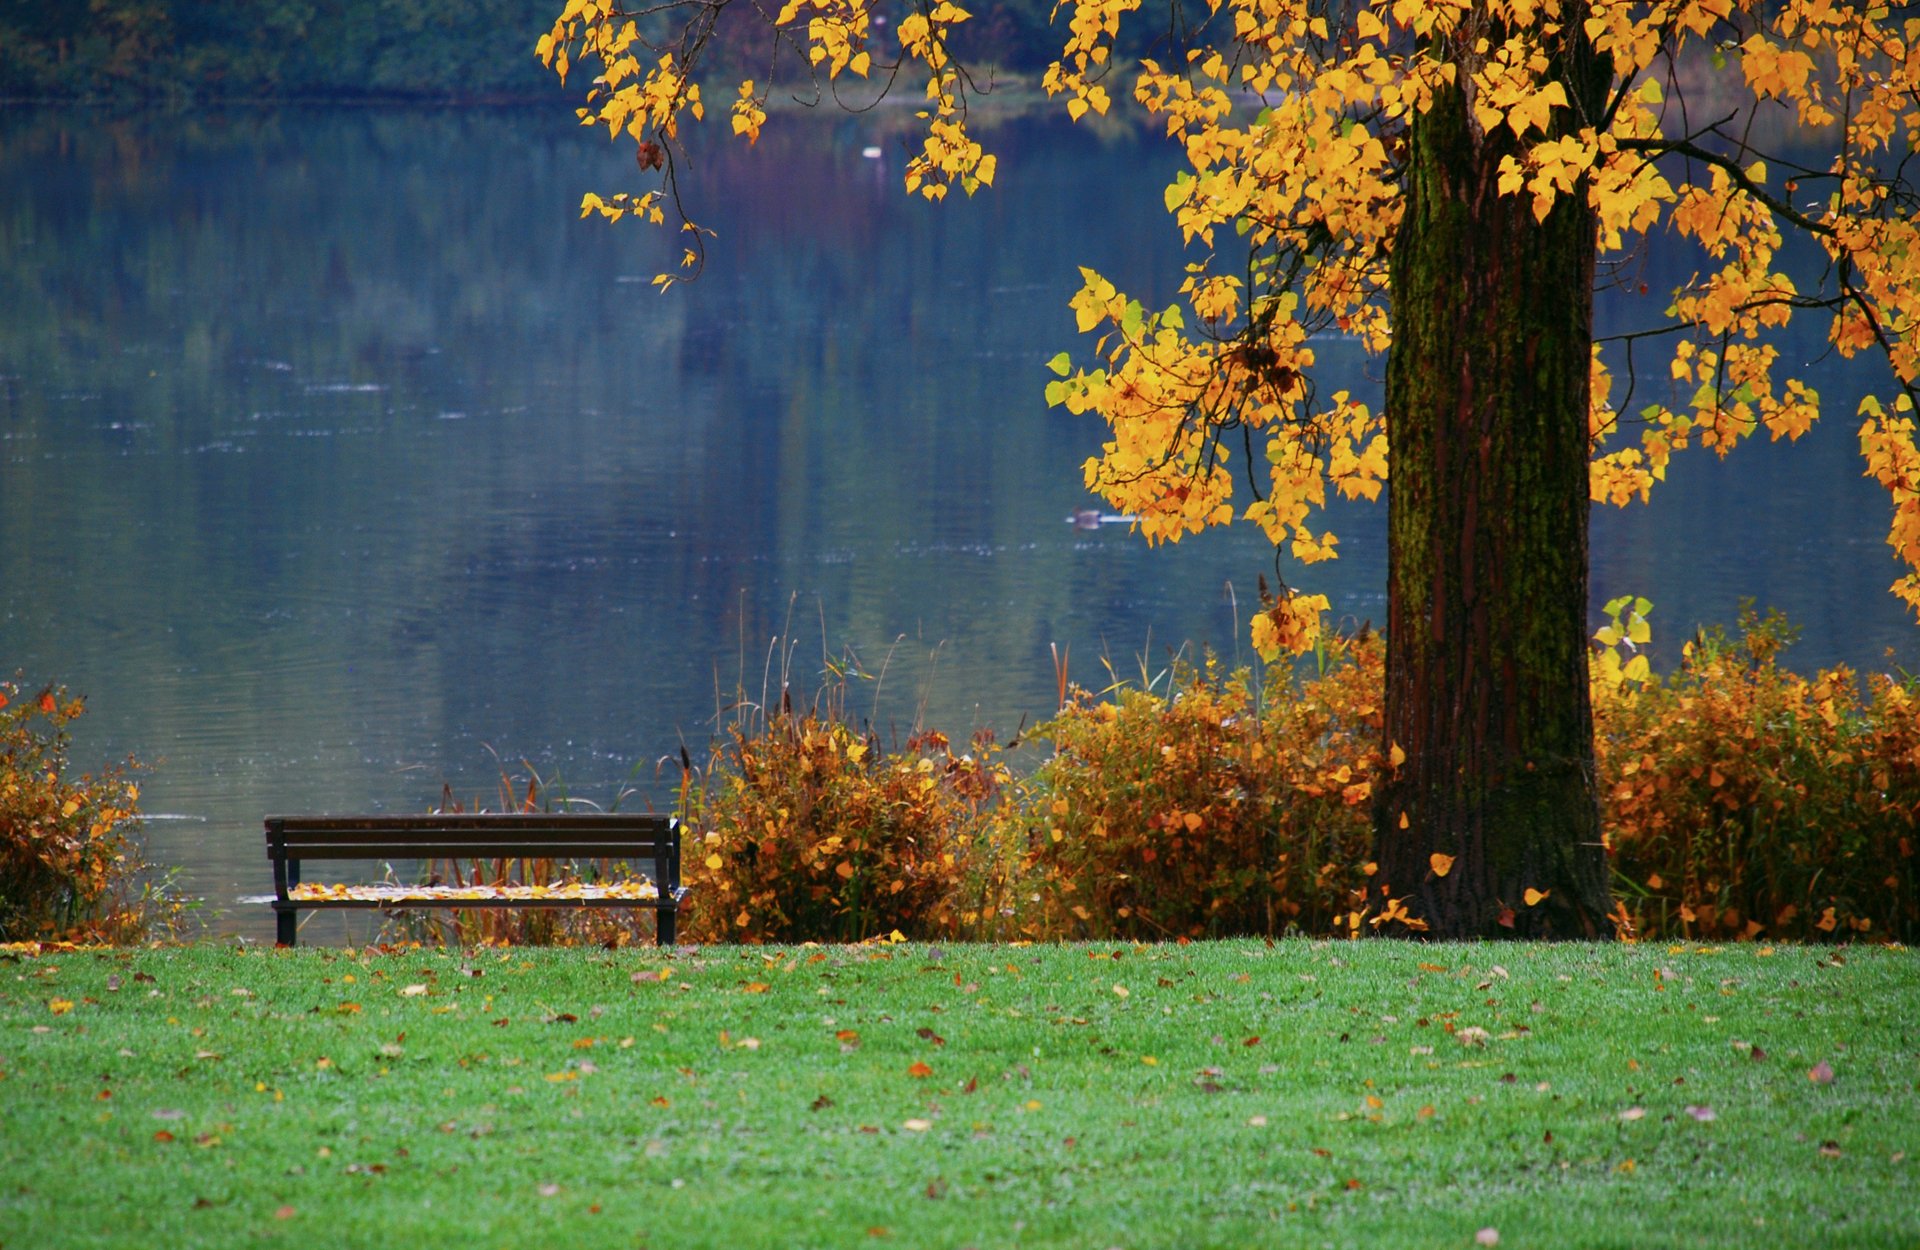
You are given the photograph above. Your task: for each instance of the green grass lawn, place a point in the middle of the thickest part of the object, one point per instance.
(1373, 1094)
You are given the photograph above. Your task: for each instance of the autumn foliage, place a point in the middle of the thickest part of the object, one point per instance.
(1224, 809)
(1739, 802)
(804, 829)
(70, 867)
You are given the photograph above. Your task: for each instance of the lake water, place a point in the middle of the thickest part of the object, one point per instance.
(339, 460)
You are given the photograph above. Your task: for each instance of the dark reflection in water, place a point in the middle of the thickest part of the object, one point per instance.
(337, 455)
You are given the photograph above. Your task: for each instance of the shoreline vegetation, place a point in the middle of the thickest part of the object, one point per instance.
(1740, 802)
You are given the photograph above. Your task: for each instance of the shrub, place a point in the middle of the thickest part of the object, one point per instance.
(71, 868)
(807, 831)
(1740, 800)
(1215, 810)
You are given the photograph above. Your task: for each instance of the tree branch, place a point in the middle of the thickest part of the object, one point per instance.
(1656, 148)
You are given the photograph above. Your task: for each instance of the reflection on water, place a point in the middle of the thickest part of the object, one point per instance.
(338, 457)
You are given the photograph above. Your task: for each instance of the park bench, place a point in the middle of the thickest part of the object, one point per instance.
(643, 844)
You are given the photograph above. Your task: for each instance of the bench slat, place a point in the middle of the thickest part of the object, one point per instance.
(465, 849)
(480, 820)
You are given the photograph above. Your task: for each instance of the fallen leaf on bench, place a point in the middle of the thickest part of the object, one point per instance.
(396, 895)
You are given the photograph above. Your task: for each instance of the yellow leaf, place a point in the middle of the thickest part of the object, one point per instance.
(755, 987)
(1395, 758)
(713, 863)
(1536, 897)
(844, 870)
(1441, 864)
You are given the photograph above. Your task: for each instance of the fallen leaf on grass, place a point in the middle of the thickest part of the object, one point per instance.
(917, 1126)
(1487, 1237)
(1821, 1073)
(412, 991)
(1634, 1113)
(755, 987)
(284, 1213)
(1704, 1114)
(1830, 1149)
(919, 1071)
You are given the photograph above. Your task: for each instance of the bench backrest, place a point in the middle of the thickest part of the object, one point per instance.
(511, 835)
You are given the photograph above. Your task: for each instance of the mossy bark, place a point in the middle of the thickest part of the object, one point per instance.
(1487, 402)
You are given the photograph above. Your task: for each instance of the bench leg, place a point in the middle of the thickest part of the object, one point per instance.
(664, 924)
(288, 926)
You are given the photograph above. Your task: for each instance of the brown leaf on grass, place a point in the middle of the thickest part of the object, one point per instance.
(284, 1213)
(1821, 1073)
(820, 1104)
(1830, 1149)
(928, 1035)
(755, 987)
(919, 1071)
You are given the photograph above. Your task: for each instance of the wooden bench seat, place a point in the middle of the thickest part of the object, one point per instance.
(634, 862)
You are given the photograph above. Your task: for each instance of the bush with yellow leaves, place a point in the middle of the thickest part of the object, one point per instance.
(802, 829)
(70, 867)
(1218, 809)
(1741, 800)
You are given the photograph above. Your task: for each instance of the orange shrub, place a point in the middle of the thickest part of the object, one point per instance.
(1206, 813)
(70, 868)
(1743, 801)
(803, 830)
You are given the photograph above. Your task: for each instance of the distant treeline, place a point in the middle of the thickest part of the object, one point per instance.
(383, 49)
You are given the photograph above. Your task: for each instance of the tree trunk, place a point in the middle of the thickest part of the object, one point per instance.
(1487, 400)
